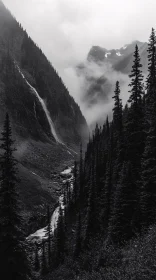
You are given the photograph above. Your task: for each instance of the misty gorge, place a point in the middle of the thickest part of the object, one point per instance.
(78, 140)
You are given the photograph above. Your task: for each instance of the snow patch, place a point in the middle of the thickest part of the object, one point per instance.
(66, 171)
(125, 47)
(118, 54)
(106, 54)
(34, 173)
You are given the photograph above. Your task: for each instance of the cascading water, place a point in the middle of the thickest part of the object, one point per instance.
(41, 234)
(51, 124)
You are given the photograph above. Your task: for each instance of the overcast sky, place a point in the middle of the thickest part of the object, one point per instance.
(66, 29)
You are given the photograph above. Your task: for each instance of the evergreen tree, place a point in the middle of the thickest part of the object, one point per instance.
(134, 131)
(78, 243)
(13, 259)
(108, 191)
(136, 83)
(136, 115)
(92, 215)
(60, 239)
(49, 235)
(151, 78)
(75, 184)
(117, 131)
(148, 190)
(81, 175)
(44, 261)
(117, 110)
(121, 228)
(37, 262)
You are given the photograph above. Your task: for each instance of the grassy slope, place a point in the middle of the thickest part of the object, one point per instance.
(135, 261)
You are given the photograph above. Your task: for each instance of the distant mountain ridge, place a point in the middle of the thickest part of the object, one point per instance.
(119, 58)
(103, 67)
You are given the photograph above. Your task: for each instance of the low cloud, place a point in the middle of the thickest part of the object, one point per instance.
(67, 29)
(81, 82)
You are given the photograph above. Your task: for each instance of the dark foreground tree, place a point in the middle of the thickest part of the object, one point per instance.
(37, 261)
(13, 260)
(49, 235)
(60, 239)
(78, 241)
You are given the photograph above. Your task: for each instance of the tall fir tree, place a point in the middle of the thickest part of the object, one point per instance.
(148, 191)
(121, 229)
(151, 82)
(37, 261)
(60, 239)
(117, 127)
(75, 184)
(136, 83)
(81, 176)
(13, 258)
(44, 259)
(134, 133)
(78, 241)
(49, 235)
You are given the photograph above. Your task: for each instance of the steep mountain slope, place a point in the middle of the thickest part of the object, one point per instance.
(47, 123)
(65, 113)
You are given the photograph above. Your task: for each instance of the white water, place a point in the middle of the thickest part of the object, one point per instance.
(41, 234)
(51, 124)
(52, 128)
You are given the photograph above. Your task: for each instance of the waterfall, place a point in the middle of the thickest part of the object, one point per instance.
(51, 124)
(41, 234)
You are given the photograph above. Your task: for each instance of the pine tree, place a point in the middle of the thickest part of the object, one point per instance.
(117, 131)
(107, 192)
(136, 83)
(134, 130)
(92, 218)
(136, 114)
(81, 178)
(60, 239)
(44, 261)
(13, 259)
(117, 110)
(148, 190)
(75, 184)
(37, 262)
(121, 228)
(78, 242)
(151, 78)
(49, 235)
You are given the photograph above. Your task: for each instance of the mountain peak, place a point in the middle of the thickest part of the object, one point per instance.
(96, 53)
(99, 54)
